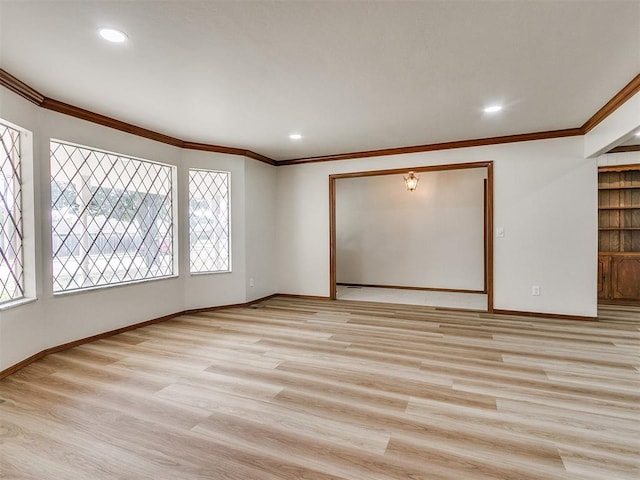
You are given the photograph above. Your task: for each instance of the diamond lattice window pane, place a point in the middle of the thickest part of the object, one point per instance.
(11, 255)
(209, 221)
(111, 216)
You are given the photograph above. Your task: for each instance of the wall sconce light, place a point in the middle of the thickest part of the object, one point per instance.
(411, 181)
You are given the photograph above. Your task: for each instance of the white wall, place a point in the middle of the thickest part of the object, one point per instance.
(545, 198)
(431, 237)
(261, 261)
(205, 290)
(53, 320)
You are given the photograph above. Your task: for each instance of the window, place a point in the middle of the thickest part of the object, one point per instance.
(11, 233)
(209, 221)
(111, 218)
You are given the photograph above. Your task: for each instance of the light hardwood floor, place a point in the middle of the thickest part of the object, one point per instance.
(314, 389)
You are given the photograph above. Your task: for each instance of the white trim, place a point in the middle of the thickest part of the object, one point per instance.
(112, 285)
(18, 302)
(230, 240)
(171, 193)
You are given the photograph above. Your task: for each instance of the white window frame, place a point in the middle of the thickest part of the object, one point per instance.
(25, 230)
(173, 226)
(228, 226)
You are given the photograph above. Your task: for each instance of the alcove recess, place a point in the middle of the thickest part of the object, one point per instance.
(619, 234)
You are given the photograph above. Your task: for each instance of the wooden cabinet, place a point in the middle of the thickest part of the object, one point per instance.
(619, 278)
(625, 277)
(619, 235)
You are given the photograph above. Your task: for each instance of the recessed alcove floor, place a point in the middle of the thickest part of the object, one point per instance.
(465, 301)
(296, 388)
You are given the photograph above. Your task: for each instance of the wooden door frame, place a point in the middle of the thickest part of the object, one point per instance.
(488, 217)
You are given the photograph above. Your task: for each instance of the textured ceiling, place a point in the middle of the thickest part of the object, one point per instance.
(349, 76)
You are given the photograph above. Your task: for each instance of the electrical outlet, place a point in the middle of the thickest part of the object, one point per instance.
(535, 290)
(252, 283)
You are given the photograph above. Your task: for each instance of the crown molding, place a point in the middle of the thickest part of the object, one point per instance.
(17, 86)
(523, 137)
(81, 113)
(230, 150)
(628, 91)
(625, 149)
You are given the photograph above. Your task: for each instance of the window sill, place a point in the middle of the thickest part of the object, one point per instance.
(113, 285)
(16, 303)
(219, 272)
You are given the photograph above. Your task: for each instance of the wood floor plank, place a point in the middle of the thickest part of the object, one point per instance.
(302, 423)
(299, 388)
(313, 383)
(551, 425)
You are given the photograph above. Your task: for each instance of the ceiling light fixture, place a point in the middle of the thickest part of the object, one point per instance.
(493, 109)
(411, 181)
(295, 136)
(112, 35)
(638, 134)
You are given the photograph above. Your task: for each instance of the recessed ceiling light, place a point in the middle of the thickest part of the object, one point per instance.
(638, 134)
(493, 109)
(295, 136)
(112, 35)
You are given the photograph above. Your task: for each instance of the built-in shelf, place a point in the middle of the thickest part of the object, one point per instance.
(618, 228)
(619, 234)
(634, 207)
(626, 254)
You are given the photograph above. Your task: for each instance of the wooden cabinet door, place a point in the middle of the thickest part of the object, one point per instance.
(625, 278)
(604, 276)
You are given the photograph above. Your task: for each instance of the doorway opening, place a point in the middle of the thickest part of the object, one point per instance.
(430, 246)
